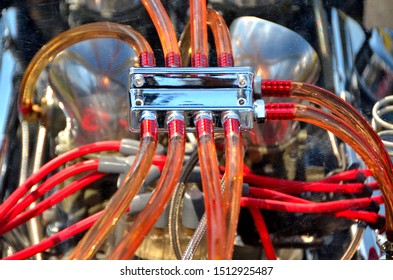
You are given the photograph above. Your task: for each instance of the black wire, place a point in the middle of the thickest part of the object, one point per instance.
(189, 166)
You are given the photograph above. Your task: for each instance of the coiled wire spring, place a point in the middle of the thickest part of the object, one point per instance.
(382, 121)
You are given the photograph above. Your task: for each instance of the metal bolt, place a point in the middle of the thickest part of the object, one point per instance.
(241, 97)
(139, 80)
(259, 110)
(242, 80)
(139, 98)
(241, 101)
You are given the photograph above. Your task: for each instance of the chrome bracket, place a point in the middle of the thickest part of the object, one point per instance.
(190, 90)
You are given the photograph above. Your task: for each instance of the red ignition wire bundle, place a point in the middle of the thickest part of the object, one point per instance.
(57, 238)
(278, 201)
(323, 207)
(52, 166)
(121, 200)
(48, 185)
(344, 121)
(14, 220)
(50, 201)
(16, 214)
(297, 187)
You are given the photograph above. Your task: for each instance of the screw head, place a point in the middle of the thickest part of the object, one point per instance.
(139, 80)
(242, 80)
(241, 101)
(139, 102)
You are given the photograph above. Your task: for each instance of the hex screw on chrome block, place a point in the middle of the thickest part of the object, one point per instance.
(241, 101)
(242, 80)
(139, 98)
(139, 80)
(241, 97)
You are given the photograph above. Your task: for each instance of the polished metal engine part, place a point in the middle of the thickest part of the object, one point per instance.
(94, 106)
(274, 52)
(374, 67)
(214, 89)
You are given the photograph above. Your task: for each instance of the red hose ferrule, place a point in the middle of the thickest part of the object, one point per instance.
(176, 128)
(149, 128)
(173, 60)
(225, 60)
(204, 127)
(276, 88)
(280, 111)
(199, 60)
(231, 125)
(146, 59)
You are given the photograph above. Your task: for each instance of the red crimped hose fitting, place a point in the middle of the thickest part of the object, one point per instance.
(276, 88)
(176, 127)
(146, 59)
(225, 60)
(173, 60)
(199, 60)
(231, 125)
(204, 126)
(149, 128)
(280, 111)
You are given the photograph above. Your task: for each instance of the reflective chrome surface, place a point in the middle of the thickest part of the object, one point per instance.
(9, 68)
(215, 89)
(275, 52)
(324, 43)
(109, 8)
(97, 106)
(348, 38)
(375, 64)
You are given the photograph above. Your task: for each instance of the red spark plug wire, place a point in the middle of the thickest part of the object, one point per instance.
(51, 200)
(53, 165)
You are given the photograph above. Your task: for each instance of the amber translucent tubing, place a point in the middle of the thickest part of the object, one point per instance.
(345, 112)
(130, 186)
(216, 237)
(165, 31)
(64, 40)
(348, 134)
(333, 103)
(233, 178)
(222, 38)
(233, 182)
(198, 27)
(165, 186)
